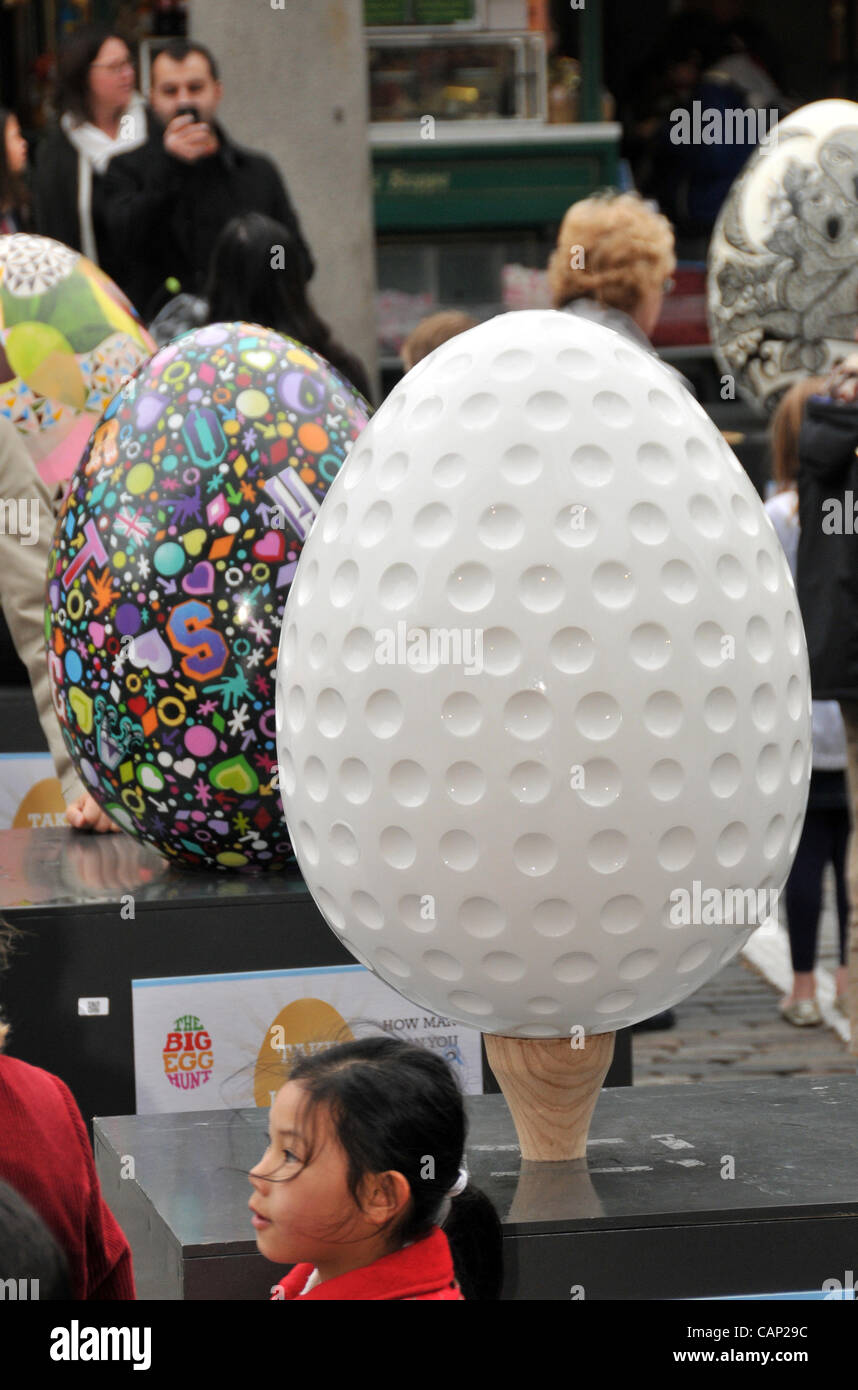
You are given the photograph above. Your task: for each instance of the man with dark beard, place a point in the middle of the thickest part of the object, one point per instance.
(163, 206)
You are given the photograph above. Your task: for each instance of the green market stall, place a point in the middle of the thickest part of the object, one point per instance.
(479, 143)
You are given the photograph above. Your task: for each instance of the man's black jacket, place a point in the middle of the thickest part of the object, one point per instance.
(157, 216)
(827, 565)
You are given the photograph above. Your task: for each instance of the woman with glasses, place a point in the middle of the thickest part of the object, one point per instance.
(101, 114)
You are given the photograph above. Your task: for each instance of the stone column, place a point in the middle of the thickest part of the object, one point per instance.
(295, 87)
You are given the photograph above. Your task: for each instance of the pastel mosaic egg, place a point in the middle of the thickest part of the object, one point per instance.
(68, 338)
(783, 258)
(174, 553)
(543, 704)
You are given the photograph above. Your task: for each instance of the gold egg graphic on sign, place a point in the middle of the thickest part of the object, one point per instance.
(302, 1027)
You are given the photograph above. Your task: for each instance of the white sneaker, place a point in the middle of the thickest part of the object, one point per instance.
(803, 1013)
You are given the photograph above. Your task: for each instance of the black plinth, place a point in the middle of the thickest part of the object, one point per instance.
(20, 730)
(648, 1215)
(65, 890)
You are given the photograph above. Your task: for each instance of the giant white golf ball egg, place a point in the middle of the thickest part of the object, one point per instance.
(543, 704)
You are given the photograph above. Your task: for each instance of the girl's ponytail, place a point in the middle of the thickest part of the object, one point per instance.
(474, 1232)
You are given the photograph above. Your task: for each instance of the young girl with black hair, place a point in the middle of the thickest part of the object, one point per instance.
(257, 274)
(362, 1186)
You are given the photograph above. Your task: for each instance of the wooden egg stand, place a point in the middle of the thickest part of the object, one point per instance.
(551, 1089)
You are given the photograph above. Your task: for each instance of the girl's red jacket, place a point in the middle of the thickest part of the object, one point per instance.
(46, 1155)
(423, 1270)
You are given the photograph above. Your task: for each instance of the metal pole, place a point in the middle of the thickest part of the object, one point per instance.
(590, 20)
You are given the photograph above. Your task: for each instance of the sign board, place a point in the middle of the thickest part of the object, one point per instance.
(30, 793)
(213, 1042)
(381, 12)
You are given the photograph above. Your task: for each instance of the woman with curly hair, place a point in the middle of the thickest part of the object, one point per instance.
(613, 265)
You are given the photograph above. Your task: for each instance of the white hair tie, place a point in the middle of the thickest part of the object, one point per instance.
(459, 1185)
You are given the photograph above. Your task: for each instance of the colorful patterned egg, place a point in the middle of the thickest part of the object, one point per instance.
(68, 338)
(174, 553)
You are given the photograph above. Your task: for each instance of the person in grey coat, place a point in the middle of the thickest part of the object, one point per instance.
(25, 542)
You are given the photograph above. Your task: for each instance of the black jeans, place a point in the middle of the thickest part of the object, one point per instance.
(823, 841)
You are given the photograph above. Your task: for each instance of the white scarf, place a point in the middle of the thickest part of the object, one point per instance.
(95, 150)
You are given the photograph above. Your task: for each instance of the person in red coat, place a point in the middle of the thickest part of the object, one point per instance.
(363, 1172)
(45, 1154)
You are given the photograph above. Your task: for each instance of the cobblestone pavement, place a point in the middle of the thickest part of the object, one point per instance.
(732, 1028)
